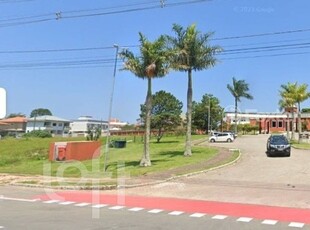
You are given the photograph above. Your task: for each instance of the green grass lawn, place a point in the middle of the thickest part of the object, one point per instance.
(30, 156)
(301, 145)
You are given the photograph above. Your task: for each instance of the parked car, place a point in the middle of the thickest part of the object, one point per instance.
(221, 137)
(278, 145)
(232, 133)
(214, 132)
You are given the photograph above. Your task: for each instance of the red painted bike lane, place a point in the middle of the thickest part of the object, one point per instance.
(259, 212)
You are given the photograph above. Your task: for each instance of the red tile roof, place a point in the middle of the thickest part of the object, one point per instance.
(14, 120)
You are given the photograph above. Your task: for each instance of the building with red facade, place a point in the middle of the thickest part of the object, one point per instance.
(270, 122)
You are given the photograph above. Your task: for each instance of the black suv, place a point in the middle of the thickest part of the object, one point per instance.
(278, 145)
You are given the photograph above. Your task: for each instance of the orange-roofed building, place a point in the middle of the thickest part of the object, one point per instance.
(13, 125)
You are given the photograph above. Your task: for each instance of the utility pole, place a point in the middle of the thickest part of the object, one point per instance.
(110, 109)
(209, 115)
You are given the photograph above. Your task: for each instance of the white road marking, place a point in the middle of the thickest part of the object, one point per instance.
(117, 207)
(155, 211)
(100, 205)
(136, 209)
(296, 225)
(82, 204)
(67, 202)
(51, 201)
(219, 217)
(244, 219)
(1, 227)
(197, 215)
(18, 199)
(270, 222)
(175, 213)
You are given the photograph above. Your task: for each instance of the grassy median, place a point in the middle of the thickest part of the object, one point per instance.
(29, 156)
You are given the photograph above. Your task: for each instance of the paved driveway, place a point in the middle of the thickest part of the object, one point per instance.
(255, 178)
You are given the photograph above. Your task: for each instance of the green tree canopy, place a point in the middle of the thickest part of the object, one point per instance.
(207, 111)
(305, 110)
(152, 62)
(287, 101)
(190, 51)
(239, 89)
(166, 112)
(296, 94)
(15, 115)
(40, 112)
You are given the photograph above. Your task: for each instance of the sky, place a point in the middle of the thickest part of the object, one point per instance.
(59, 54)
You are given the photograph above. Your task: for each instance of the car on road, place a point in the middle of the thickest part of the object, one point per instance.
(278, 145)
(231, 132)
(221, 137)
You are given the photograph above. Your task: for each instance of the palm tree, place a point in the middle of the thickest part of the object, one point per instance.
(287, 93)
(301, 94)
(284, 103)
(190, 52)
(151, 63)
(239, 89)
(296, 94)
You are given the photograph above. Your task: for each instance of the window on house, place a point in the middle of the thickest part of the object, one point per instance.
(273, 124)
(47, 124)
(54, 124)
(280, 124)
(60, 124)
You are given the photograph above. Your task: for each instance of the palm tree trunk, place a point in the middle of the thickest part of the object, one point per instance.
(288, 126)
(146, 160)
(188, 143)
(299, 123)
(293, 125)
(236, 117)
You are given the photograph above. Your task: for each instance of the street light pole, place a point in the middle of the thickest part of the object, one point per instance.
(209, 115)
(110, 109)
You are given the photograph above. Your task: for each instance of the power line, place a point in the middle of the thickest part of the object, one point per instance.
(14, 1)
(267, 55)
(262, 34)
(267, 48)
(54, 50)
(93, 12)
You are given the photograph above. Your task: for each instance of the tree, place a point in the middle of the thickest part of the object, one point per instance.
(301, 95)
(239, 89)
(93, 134)
(40, 112)
(16, 115)
(295, 94)
(305, 110)
(190, 51)
(203, 115)
(286, 101)
(151, 63)
(166, 112)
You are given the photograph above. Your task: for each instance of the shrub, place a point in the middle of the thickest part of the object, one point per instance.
(38, 133)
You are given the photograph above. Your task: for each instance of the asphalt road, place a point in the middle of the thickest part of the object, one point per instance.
(37, 215)
(254, 179)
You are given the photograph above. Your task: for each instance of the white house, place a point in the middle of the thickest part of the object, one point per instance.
(55, 125)
(83, 124)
